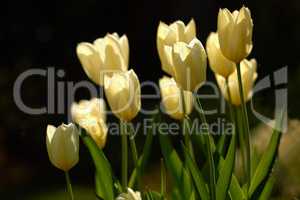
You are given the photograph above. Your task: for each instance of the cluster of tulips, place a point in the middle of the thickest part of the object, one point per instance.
(184, 59)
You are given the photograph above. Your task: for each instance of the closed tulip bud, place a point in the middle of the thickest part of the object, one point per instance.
(123, 93)
(130, 195)
(188, 64)
(63, 146)
(91, 116)
(235, 33)
(105, 56)
(172, 98)
(170, 34)
(217, 61)
(249, 75)
(96, 128)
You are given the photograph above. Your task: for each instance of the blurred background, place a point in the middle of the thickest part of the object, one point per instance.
(42, 34)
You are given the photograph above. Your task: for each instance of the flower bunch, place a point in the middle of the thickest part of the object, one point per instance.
(184, 60)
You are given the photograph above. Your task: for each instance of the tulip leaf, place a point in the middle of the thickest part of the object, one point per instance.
(267, 191)
(145, 154)
(225, 171)
(176, 168)
(104, 181)
(152, 195)
(235, 190)
(266, 162)
(197, 176)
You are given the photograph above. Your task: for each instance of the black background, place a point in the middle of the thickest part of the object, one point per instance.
(39, 34)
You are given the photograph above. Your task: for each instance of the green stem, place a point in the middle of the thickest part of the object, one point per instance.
(185, 129)
(135, 155)
(246, 126)
(69, 185)
(124, 155)
(211, 163)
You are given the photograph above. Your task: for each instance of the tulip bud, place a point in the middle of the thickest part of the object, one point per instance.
(172, 98)
(235, 33)
(105, 56)
(63, 146)
(218, 63)
(123, 93)
(130, 195)
(170, 34)
(248, 74)
(91, 116)
(188, 64)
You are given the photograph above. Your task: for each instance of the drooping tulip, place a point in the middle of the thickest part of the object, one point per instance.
(167, 35)
(172, 98)
(248, 74)
(188, 63)
(105, 56)
(130, 195)
(63, 146)
(235, 33)
(91, 115)
(123, 93)
(217, 61)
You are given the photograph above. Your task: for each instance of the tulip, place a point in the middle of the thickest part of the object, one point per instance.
(172, 98)
(248, 74)
(91, 108)
(130, 195)
(105, 56)
(91, 116)
(170, 34)
(235, 33)
(217, 61)
(188, 64)
(123, 93)
(63, 146)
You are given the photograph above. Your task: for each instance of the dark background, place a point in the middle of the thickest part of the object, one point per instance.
(39, 34)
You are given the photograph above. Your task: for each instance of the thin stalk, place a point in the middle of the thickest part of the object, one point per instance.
(211, 163)
(69, 185)
(124, 155)
(246, 126)
(135, 155)
(186, 133)
(163, 179)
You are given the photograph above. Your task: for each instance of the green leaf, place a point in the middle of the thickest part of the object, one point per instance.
(104, 181)
(197, 176)
(267, 191)
(235, 190)
(266, 163)
(144, 156)
(152, 195)
(225, 171)
(174, 165)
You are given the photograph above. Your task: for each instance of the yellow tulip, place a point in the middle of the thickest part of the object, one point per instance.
(217, 61)
(249, 75)
(235, 33)
(172, 98)
(130, 195)
(167, 35)
(63, 146)
(188, 63)
(90, 115)
(96, 128)
(123, 93)
(105, 56)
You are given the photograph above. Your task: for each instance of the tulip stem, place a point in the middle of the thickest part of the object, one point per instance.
(208, 146)
(69, 185)
(185, 129)
(124, 155)
(246, 127)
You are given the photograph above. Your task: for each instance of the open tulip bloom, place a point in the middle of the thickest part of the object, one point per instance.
(184, 59)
